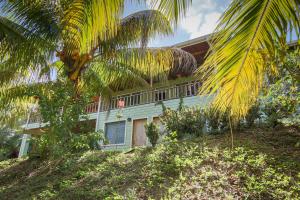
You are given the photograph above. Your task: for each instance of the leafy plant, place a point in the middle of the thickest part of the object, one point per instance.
(217, 122)
(187, 121)
(65, 132)
(291, 121)
(242, 43)
(97, 50)
(252, 115)
(281, 101)
(9, 144)
(152, 132)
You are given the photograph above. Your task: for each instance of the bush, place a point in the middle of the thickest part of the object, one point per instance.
(252, 115)
(187, 121)
(216, 121)
(88, 141)
(213, 120)
(281, 101)
(42, 146)
(152, 132)
(68, 128)
(292, 121)
(9, 144)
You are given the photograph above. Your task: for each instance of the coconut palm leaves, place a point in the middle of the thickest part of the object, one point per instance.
(91, 41)
(78, 30)
(247, 32)
(172, 9)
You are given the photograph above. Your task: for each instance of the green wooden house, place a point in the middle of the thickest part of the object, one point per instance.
(123, 119)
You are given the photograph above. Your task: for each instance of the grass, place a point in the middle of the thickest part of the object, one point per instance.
(264, 165)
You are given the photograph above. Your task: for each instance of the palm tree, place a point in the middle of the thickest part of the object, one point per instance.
(242, 43)
(89, 42)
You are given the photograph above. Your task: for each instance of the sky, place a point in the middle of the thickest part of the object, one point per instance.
(201, 19)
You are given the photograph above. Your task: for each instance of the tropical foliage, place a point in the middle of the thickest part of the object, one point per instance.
(281, 101)
(184, 122)
(89, 43)
(66, 132)
(152, 132)
(9, 143)
(260, 168)
(242, 45)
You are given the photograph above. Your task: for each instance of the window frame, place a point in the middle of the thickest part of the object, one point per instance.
(105, 127)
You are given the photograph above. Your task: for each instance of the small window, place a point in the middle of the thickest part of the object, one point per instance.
(115, 132)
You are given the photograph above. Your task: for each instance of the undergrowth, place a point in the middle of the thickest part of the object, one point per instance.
(263, 165)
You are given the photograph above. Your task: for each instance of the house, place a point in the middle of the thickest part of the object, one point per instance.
(123, 119)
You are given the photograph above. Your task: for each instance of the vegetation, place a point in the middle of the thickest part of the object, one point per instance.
(264, 165)
(152, 132)
(184, 122)
(97, 51)
(244, 43)
(9, 144)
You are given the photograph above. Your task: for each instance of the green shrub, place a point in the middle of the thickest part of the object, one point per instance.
(281, 101)
(43, 145)
(217, 122)
(86, 141)
(252, 115)
(291, 121)
(68, 128)
(152, 132)
(213, 120)
(187, 121)
(9, 144)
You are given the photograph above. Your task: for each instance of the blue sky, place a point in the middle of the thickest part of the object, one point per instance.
(201, 19)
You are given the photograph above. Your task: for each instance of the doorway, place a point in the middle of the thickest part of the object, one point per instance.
(139, 137)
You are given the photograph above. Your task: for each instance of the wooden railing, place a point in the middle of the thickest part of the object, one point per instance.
(92, 107)
(139, 98)
(152, 96)
(35, 118)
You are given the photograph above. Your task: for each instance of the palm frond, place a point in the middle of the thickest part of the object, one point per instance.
(235, 66)
(155, 63)
(172, 9)
(39, 17)
(20, 50)
(86, 21)
(138, 28)
(116, 75)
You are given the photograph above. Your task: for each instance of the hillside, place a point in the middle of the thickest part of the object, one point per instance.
(263, 165)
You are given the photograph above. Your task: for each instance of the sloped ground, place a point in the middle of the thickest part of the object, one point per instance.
(263, 165)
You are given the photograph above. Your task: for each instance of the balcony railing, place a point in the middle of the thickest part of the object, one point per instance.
(152, 96)
(92, 107)
(138, 98)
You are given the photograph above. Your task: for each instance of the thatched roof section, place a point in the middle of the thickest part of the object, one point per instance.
(184, 63)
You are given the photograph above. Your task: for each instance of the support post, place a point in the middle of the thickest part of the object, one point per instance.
(98, 113)
(25, 140)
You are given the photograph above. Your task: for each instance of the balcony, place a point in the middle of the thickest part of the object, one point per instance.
(138, 98)
(152, 96)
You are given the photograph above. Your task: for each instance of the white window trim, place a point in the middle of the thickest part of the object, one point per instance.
(120, 144)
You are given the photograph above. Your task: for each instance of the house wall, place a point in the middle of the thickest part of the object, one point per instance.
(148, 111)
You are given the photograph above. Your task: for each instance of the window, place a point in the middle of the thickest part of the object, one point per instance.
(115, 132)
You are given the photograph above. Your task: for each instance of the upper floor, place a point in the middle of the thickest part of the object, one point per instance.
(173, 90)
(178, 85)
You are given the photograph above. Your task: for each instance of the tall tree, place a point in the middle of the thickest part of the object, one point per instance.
(92, 45)
(243, 40)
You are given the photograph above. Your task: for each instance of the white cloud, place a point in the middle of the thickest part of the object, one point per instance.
(201, 18)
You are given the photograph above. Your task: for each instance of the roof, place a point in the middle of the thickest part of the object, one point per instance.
(203, 38)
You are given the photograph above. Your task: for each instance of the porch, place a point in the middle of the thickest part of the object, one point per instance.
(136, 98)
